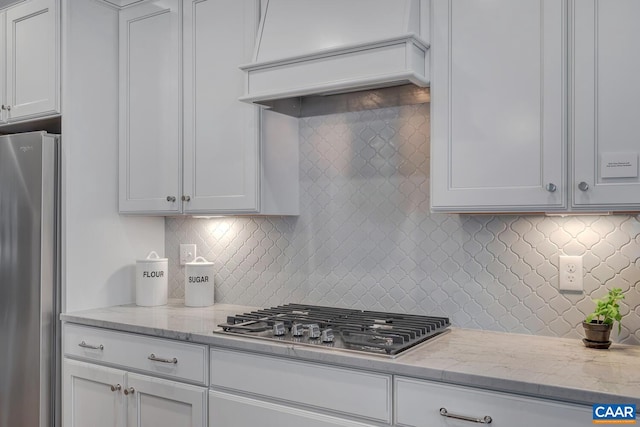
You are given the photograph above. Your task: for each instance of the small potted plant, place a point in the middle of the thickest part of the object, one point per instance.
(598, 325)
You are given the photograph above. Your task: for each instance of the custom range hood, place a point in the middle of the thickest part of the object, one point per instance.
(318, 56)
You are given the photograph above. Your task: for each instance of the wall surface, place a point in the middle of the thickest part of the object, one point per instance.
(100, 247)
(365, 239)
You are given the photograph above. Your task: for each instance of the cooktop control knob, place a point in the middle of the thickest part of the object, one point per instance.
(278, 329)
(297, 330)
(327, 335)
(314, 331)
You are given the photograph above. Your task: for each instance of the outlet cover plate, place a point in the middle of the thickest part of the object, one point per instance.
(570, 273)
(187, 253)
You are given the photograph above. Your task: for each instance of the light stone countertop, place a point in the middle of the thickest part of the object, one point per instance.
(556, 368)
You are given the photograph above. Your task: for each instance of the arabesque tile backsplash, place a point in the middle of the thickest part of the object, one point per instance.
(365, 239)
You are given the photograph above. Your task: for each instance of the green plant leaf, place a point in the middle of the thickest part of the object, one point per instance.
(607, 309)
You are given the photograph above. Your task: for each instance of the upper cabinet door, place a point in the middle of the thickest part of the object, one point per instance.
(32, 60)
(221, 138)
(605, 130)
(498, 105)
(151, 107)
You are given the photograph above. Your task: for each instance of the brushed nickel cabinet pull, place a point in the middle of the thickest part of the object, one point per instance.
(128, 391)
(583, 186)
(551, 187)
(116, 387)
(484, 420)
(161, 359)
(92, 347)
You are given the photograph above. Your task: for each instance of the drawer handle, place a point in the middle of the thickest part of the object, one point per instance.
(128, 391)
(161, 359)
(484, 420)
(116, 387)
(92, 347)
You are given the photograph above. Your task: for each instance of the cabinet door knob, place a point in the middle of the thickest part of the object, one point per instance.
(551, 187)
(116, 387)
(129, 391)
(171, 199)
(186, 198)
(583, 186)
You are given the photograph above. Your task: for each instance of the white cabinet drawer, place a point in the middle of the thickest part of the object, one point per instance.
(362, 394)
(132, 351)
(418, 404)
(227, 409)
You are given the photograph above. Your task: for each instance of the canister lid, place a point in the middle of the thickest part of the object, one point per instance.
(199, 261)
(152, 257)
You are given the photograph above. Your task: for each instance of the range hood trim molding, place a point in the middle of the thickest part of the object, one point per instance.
(406, 71)
(346, 49)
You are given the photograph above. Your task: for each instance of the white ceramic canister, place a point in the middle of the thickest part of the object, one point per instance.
(198, 283)
(151, 280)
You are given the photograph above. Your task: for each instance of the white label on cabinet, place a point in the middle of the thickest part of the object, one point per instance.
(619, 165)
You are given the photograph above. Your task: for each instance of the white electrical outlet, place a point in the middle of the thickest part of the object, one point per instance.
(570, 273)
(187, 253)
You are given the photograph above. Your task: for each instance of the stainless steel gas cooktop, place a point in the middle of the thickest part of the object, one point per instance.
(372, 332)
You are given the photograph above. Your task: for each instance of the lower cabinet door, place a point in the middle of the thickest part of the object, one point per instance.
(92, 395)
(229, 410)
(163, 403)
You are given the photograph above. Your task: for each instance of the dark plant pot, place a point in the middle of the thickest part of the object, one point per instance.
(597, 334)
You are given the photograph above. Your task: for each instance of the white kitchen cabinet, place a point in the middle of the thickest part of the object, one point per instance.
(130, 391)
(30, 61)
(502, 106)
(92, 395)
(162, 403)
(233, 158)
(133, 352)
(95, 395)
(498, 124)
(418, 404)
(221, 135)
(226, 409)
(150, 107)
(605, 130)
(279, 388)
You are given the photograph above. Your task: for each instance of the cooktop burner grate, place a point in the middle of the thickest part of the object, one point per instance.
(348, 329)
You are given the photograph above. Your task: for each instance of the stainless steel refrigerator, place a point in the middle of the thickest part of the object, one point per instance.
(29, 279)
